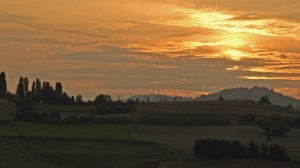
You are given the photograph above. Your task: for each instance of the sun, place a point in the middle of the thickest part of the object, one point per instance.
(234, 54)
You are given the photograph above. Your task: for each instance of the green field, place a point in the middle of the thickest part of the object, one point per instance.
(36, 145)
(98, 131)
(28, 153)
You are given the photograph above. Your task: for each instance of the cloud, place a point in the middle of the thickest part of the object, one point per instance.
(15, 18)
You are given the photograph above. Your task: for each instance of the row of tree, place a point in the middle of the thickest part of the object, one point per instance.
(40, 91)
(225, 149)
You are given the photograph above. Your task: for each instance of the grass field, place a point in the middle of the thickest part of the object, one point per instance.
(98, 131)
(28, 153)
(77, 146)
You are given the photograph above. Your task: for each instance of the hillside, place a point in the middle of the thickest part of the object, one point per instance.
(254, 94)
(207, 112)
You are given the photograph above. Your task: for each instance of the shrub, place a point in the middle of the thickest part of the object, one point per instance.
(264, 150)
(88, 120)
(218, 149)
(275, 125)
(72, 119)
(222, 149)
(55, 115)
(33, 117)
(253, 150)
(278, 153)
(249, 118)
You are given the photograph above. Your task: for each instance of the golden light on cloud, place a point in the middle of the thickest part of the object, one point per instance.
(234, 54)
(136, 41)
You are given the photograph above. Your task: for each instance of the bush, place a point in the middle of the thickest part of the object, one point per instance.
(218, 149)
(72, 119)
(253, 150)
(278, 153)
(264, 150)
(249, 118)
(55, 115)
(32, 117)
(88, 120)
(222, 149)
(275, 125)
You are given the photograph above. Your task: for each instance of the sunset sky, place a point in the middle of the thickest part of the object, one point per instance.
(182, 47)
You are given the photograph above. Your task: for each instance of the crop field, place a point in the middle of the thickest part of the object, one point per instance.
(32, 153)
(206, 113)
(36, 145)
(97, 131)
(183, 138)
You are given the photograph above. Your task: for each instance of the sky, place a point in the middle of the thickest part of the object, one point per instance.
(181, 47)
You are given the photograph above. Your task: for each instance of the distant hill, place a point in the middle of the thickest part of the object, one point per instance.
(254, 94)
(161, 98)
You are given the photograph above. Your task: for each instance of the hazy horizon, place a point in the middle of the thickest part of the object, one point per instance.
(185, 48)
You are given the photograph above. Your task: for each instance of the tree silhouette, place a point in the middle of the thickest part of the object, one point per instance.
(79, 99)
(47, 93)
(100, 99)
(221, 98)
(265, 100)
(26, 85)
(58, 89)
(3, 85)
(72, 100)
(38, 89)
(33, 89)
(20, 88)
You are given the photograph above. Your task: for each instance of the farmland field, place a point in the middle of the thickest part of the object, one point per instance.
(97, 131)
(205, 113)
(183, 138)
(36, 145)
(30, 153)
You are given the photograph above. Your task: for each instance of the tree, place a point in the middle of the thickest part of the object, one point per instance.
(101, 99)
(38, 89)
(278, 153)
(58, 89)
(221, 98)
(3, 85)
(79, 99)
(47, 93)
(33, 89)
(26, 85)
(253, 150)
(265, 100)
(65, 98)
(275, 125)
(20, 88)
(72, 100)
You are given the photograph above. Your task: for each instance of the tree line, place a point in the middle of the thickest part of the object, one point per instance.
(40, 91)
